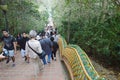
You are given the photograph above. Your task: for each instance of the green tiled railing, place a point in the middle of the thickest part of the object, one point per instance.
(79, 65)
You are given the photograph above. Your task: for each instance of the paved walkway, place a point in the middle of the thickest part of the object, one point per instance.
(25, 71)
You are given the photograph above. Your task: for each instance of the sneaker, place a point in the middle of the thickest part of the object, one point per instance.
(27, 62)
(13, 65)
(48, 62)
(55, 58)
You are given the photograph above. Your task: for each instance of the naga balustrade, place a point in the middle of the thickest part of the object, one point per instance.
(77, 62)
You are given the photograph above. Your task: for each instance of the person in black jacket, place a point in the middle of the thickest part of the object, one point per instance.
(54, 48)
(22, 44)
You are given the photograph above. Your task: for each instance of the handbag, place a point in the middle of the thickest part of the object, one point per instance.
(41, 55)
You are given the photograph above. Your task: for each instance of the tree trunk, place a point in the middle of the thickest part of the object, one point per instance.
(68, 28)
(104, 11)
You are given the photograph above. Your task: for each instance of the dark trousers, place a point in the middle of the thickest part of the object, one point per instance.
(53, 54)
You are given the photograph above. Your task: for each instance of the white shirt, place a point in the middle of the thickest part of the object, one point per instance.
(55, 38)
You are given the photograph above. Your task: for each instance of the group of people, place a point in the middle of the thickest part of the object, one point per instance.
(38, 42)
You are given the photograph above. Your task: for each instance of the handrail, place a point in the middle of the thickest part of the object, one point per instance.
(77, 62)
(62, 42)
(85, 56)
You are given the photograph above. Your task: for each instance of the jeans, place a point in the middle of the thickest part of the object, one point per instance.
(23, 52)
(9, 52)
(49, 57)
(44, 61)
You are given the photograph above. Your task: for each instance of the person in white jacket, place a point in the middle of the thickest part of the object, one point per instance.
(32, 56)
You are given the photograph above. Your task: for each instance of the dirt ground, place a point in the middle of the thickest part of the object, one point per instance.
(107, 73)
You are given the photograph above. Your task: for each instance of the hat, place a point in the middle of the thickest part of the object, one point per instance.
(32, 33)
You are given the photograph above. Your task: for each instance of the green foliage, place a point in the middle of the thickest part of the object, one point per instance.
(23, 15)
(94, 25)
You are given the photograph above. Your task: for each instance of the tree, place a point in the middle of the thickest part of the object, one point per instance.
(94, 25)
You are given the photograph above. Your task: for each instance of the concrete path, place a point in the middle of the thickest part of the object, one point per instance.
(25, 71)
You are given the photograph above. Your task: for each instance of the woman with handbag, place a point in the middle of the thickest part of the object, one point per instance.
(31, 55)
